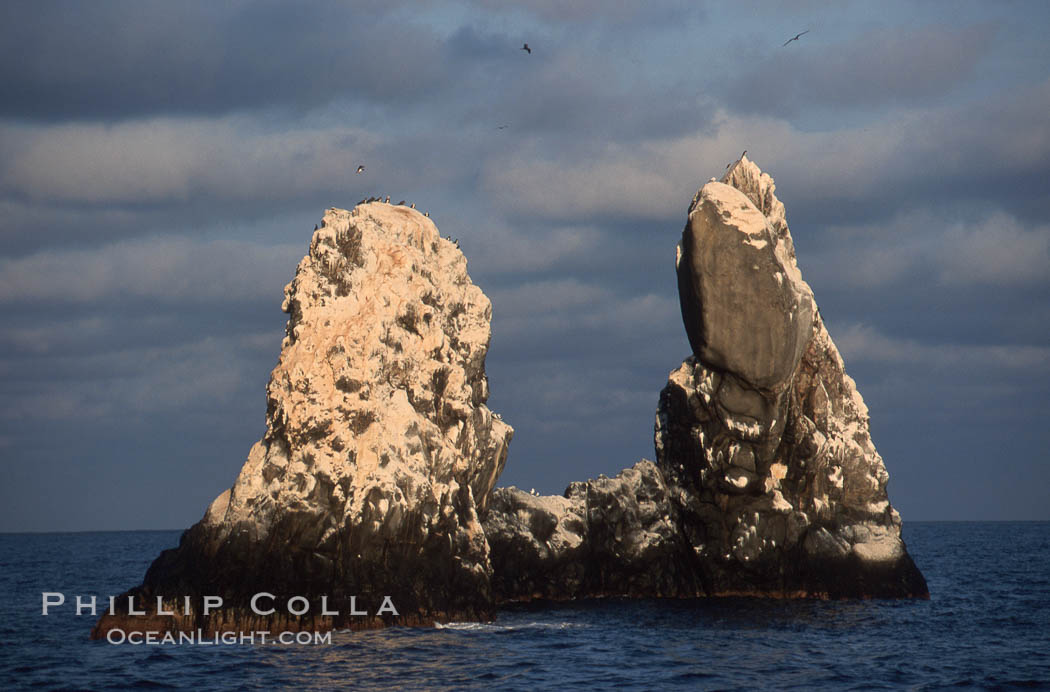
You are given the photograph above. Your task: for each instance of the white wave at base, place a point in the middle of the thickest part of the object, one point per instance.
(492, 627)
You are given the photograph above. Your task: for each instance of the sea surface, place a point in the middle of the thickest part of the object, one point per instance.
(987, 626)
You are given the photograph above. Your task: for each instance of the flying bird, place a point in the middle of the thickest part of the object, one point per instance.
(527, 49)
(797, 36)
(502, 127)
(361, 168)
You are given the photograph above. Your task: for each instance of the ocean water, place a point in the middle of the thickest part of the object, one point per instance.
(987, 626)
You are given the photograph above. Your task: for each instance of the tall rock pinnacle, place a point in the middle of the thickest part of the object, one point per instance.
(378, 456)
(766, 481)
(763, 424)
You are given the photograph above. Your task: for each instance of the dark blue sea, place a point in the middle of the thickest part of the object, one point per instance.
(987, 626)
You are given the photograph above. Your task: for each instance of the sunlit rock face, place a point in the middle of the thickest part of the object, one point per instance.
(379, 451)
(766, 481)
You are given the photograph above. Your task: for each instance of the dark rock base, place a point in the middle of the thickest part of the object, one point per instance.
(384, 584)
(633, 536)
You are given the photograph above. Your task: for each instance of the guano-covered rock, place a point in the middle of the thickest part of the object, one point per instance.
(378, 456)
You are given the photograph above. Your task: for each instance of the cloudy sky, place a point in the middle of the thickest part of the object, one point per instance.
(162, 166)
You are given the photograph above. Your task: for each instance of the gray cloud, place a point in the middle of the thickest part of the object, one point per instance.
(170, 160)
(576, 319)
(884, 66)
(861, 343)
(996, 250)
(617, 14)
(126, 382)
(166, 270)
(124, 58)
(499, 249)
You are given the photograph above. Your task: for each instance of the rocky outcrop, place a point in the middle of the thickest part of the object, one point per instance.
(379, 452)
(369, 500)
(605, 537)
(766, 481)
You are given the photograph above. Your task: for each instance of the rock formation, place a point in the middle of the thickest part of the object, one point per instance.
(766, 481)
(369, 500)
(379, 452)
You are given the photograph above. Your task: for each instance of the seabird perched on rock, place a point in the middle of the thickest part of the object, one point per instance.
(315, 227)
(401, 203)
(387, 200)
(797, 36)
(412, 206)
(427, 214)
(361, 168)
(527, 49)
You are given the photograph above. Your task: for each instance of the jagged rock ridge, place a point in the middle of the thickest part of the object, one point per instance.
(766, 481)
(379, 451)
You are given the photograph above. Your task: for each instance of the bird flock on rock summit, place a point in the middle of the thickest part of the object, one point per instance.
(525, 47)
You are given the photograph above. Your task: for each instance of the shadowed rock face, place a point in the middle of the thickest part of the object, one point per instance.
(379, 451)
(606, 537)
(766, 481)
(745, 307)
